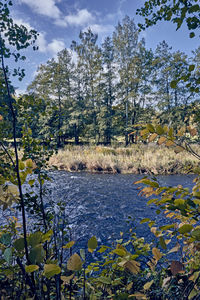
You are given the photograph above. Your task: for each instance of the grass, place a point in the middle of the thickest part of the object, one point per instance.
(137, 159)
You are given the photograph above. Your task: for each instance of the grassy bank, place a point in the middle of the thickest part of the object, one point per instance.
(138, 159)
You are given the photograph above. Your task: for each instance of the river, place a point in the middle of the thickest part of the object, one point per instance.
(100, 204)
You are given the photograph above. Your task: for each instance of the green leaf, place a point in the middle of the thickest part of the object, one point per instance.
(31, 182)
(51, 270)
(103, 249)
(74, 263)
(185, 228)
(8, 255)
(170, 133)
(34, 239)
(162, 243)
(159, 130)
(19, 244)
(167, 227)
(179, 202)
(31, 268)
(37, 254)
(150, 128)
(191, 68)
(173, 84)
(21, 165)
(5, 239)
(47, 235)
(196, 234)
(120, 252)
(145, 220)
(92, 244)
(192, 294)
(105, 280)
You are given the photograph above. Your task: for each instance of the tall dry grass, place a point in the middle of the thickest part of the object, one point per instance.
(137, 159)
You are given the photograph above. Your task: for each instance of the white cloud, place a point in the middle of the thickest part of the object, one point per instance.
(42, 42)
(81, 18)
(55, 46)
(44, 7)
(97, 28)
(48, 8)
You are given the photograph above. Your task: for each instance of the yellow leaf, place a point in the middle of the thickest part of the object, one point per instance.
(129, 286)
(161, 140)
(74, 263)
(133, 266)
(152, 137)
(138, 296)
(31, 268)
(51, 270)
(69, 245)
(148, 285)
(29, 163)
(174, 249)
(169, 143)
(165, 128)
(157, 254)
(147, 191)
(66, 279)
(192, 131)
(180, 132)
(144, 132)
(178, 149)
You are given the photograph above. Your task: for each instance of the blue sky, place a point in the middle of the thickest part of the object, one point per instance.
(60, 21)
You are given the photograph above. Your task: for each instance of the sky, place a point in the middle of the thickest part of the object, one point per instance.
(58, 22)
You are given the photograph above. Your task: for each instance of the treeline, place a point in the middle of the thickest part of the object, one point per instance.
(108, 89)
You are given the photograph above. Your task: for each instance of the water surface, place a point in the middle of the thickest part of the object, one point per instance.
(100, 204)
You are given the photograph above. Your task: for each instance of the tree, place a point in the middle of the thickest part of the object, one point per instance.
(90, 64)
(134, 69)
(178, 12)
(53, 84)
(14, 38)
(108, 77)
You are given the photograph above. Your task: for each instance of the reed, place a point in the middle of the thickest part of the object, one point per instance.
(137, 159)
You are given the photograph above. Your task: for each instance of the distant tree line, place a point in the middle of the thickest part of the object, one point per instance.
(111, 88)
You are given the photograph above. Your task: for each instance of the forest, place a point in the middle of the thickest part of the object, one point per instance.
(105, 91)
(118, 93)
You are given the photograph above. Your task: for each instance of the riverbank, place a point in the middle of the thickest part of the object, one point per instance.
(137, 159)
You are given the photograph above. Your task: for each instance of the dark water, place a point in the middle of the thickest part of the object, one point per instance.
(100, 204)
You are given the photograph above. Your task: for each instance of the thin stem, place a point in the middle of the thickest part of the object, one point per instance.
(8, 154)
(16, 151)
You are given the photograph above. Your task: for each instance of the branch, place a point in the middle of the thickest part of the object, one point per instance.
(8, 154)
